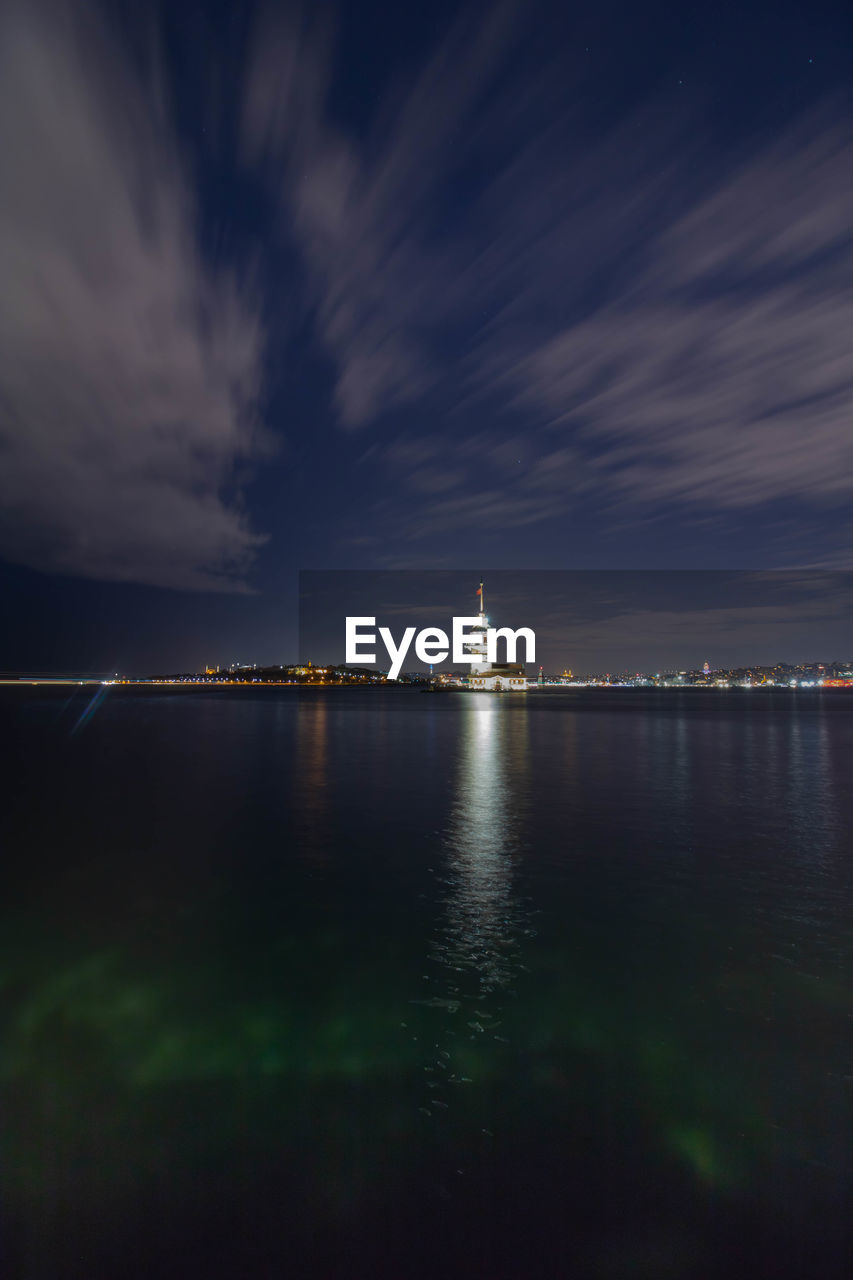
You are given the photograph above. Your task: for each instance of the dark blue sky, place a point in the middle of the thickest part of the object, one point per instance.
(364, 286)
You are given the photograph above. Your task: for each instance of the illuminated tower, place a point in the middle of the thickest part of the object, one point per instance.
(495, 676)
(477, 643)
(706, 670)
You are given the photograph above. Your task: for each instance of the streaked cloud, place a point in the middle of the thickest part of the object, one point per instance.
(675, 332)
(362, 209)
(723, 375)
(128, 366)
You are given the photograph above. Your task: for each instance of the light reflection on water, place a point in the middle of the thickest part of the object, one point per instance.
(479, 936)
(476, 948)
(312, 744)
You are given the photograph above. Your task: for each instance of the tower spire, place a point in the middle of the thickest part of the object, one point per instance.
(481, 593)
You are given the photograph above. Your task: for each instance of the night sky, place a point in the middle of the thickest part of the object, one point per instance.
(377, 286)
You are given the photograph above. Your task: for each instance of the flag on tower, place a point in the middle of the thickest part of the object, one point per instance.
(479, 591)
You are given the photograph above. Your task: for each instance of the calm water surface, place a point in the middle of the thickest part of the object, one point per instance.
(371, 982)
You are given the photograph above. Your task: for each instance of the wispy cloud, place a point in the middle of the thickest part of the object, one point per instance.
(676, 332)
(724, 373)
(362, 210)
(703, 357)
(439, 483)
(128, 368)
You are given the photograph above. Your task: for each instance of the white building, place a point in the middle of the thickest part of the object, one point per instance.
(493, 677)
